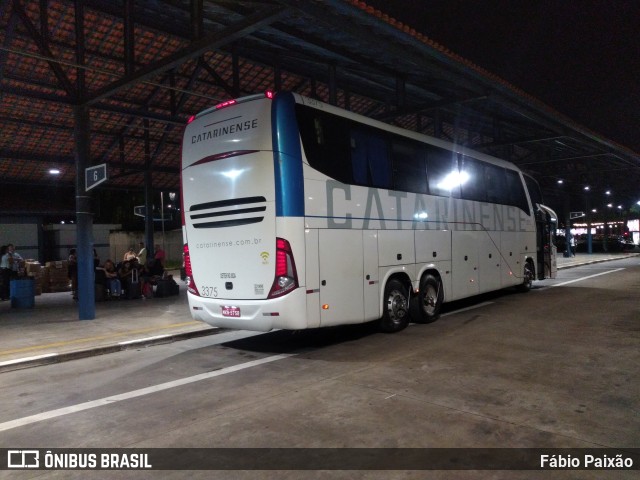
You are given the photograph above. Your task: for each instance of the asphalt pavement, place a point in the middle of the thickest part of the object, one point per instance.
(51, 331)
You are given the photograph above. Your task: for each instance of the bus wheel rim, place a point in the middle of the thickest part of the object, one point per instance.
(429, 302)
(396, 306)
(528, 275)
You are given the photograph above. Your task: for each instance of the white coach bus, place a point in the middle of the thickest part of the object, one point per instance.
(298, 214)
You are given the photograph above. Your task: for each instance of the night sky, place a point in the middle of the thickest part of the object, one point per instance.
(580, 57)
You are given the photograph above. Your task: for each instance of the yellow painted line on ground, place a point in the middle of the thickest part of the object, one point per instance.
(99, 337)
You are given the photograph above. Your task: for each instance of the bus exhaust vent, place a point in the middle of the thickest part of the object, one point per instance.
(228, 213)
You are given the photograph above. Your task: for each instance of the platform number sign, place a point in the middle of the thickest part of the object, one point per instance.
(95, 175)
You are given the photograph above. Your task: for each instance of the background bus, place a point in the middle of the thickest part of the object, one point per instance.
(298, 214)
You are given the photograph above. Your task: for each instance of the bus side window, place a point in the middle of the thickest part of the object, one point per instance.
(359, 162)
(319, 131)
(379, 161)
(325, 140)
(534, 190)
(370, 158)
(442, 172)
(517, 197)
(472, 180)
(496, 184)
(409, 167)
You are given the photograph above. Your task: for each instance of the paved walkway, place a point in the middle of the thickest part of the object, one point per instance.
(51, 332)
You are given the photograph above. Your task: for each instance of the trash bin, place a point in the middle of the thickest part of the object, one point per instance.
(22, 293)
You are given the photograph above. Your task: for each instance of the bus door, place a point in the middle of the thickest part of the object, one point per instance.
(546, 222)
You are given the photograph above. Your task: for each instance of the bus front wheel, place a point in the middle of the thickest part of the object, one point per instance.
(425, 307)
(396, 307)
(528, 274)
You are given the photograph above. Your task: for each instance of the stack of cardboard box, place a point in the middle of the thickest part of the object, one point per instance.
(34, 270)
(56, 277)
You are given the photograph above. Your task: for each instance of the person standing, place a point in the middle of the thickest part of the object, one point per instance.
(73, 272)
(160, 255)
(129, 255)
(9, 266)
(142, 254)
(15, 260)
(5, 274)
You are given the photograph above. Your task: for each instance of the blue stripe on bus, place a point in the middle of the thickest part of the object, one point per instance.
(287, 157)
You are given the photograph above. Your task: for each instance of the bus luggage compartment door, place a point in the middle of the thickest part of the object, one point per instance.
(341, 286)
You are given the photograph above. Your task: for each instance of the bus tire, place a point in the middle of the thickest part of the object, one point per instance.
(425, 307)
(528, 275)
(395, 315)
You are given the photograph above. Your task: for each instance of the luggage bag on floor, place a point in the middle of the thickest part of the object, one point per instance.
(100, 292)
(166, 287)
(135, 287)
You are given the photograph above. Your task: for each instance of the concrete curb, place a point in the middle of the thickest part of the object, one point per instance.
(599, 260)
(51, 358)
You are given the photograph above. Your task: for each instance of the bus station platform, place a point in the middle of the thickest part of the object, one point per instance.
(51, 331)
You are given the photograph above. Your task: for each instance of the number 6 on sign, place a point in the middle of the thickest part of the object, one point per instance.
(95, 175)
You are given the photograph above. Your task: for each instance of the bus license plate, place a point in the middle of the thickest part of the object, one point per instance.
(230, 311)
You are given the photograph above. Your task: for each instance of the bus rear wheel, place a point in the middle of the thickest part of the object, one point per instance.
(395, 315)
(528, 275)
(425, 307)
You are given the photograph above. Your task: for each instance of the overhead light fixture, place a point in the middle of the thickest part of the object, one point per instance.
(587, 188)
(560, 182)
(54, 171)
(608, 192)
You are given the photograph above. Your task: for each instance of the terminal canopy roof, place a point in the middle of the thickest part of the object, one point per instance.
(144, 66)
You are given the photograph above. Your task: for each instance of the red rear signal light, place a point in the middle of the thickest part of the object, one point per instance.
(226, 104)
(281, 257)
(187, 260)
(286, 276)
(191, 284)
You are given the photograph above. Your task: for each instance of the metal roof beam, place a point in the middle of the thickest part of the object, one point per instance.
(448, 102)
(564, 159)
(158, 117)
(217, 78)
(127, 169)
(129, 37)
(522, 140)
(32, 93)
(196, 19)
(197, 48)
(40, 42)
(8, 38)
(418, 61)
(36, 157)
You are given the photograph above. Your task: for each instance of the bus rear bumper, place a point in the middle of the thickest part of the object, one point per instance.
(287, 312)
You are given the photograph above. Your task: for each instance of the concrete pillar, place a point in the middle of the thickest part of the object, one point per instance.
(84, 218)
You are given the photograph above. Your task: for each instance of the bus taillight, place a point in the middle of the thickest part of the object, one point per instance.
(228, 103)
(187, 260)
(286, 277)
(191, 284)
